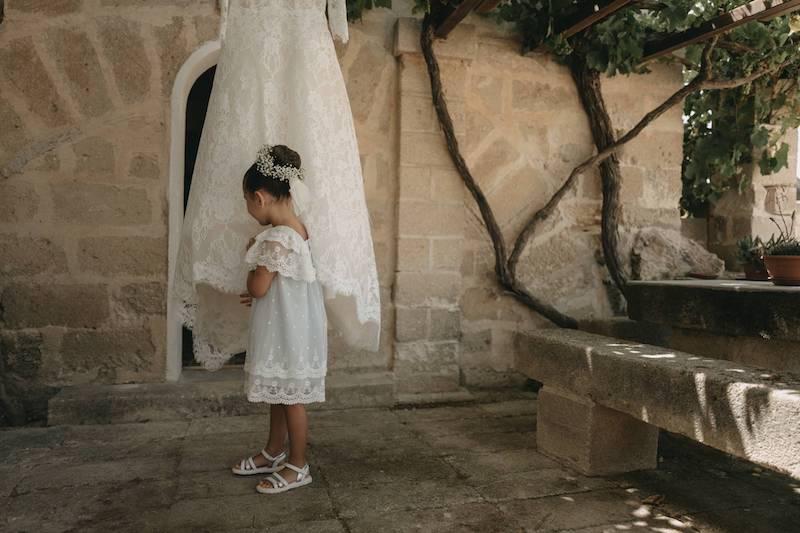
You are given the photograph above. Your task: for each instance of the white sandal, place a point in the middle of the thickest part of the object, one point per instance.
(247, 467)
(279, 484)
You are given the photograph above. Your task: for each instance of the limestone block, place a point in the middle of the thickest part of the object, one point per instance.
(418, 218)
(172, 50)
(773, 354)
(490, 91)
(51, 7)
(18, 201)
(21, 66)
(591, 438)
(444, 324)
(144, 166)
(445, 379)
(417, 113)
(488, 167)
(124, 48)
(108, 351)
(21, 353)
(659, 253)
(30, 255)
(537, 96)
(727, 307)
(447, 185)
(412, 324)
(429, 288)
(13, 135)
(92, 203)
(515, 193)
(32, 306)
(206, 28)
(739, 409)
(94, 156)
(415, 182)
(425, 356)
(477, 126)
(479, 303)
(143, 298)
(406, 36)
(447, 254)
(422, 148)
(77, 60)
(414, 77)
(123, 255)
(364, 77)
(413, 255)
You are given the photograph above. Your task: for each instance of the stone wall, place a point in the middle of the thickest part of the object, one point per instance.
(521, 129)
(84, 157)
(736, 215)
(84, 101)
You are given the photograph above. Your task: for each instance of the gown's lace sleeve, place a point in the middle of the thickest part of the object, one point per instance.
(223, 18)
(280, 252)
(337, 19)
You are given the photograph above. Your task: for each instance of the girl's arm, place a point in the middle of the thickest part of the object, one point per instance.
(259, 281)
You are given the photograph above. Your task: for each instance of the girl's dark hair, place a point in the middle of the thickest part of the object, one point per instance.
(254, 180)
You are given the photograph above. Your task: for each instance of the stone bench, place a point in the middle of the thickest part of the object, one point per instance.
(604, 399)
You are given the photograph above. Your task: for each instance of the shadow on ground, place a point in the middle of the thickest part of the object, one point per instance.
(436, 469)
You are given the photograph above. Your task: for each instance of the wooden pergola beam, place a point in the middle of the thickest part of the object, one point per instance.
(487, 5)
(591, 14)
(755, 10)
(457, 15)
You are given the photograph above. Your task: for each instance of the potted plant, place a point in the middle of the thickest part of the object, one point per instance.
(750, 253)
(782, 256)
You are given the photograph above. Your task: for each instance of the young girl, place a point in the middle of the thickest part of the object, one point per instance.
(287, 352)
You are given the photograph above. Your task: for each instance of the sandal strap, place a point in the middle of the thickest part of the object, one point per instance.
(250, 464)
(277, 480)
(274, 460)
(301, 472)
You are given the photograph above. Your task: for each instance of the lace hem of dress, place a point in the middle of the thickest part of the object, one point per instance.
(204, 352)
(284, 391)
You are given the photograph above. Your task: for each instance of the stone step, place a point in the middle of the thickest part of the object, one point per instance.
(201, 394)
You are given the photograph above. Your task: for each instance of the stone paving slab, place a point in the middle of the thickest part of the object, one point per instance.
(454, 468)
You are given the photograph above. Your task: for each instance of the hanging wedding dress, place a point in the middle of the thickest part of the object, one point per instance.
(278, 81)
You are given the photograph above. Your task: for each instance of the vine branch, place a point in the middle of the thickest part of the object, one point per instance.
(506, 264)
(507, 279)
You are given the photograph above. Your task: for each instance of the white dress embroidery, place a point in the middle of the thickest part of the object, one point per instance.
(278, 81)
(287, 350)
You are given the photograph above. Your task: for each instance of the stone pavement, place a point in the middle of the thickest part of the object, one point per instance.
(467, 467)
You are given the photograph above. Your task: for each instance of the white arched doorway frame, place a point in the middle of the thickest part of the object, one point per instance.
(202, 59)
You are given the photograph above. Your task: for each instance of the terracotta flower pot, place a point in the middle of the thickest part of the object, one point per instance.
(784, 269)
(754, 273)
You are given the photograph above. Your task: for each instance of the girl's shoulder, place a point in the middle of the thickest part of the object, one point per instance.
(281, 249)
(286, 236)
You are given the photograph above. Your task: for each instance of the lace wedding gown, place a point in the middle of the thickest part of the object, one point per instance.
(278, 81)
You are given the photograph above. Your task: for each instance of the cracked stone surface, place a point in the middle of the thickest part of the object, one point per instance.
(470, 467)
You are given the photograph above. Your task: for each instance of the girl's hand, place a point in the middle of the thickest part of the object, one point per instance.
(250, 243)
(246, 299)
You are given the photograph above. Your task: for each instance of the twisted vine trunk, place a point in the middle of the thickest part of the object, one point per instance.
(506, 276)
(587, 82)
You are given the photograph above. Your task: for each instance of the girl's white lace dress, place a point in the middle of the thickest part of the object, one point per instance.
(278, 81)
(287, 352)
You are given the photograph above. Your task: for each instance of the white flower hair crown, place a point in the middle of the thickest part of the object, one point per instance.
(266, 165)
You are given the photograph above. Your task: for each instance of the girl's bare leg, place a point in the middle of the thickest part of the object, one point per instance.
(277, 430)
(297, 421)
(277, 435)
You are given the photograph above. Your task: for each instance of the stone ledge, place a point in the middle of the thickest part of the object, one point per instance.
(727, 307)
(200, 394)
(734, 408)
